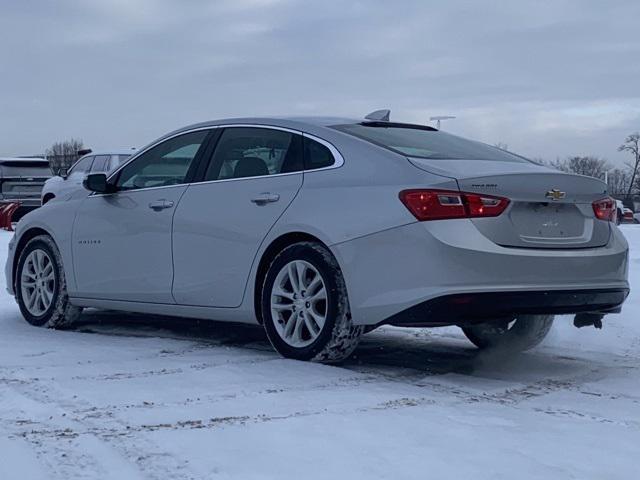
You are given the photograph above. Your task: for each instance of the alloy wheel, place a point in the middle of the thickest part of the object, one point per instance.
(299, 303)
(38, 282)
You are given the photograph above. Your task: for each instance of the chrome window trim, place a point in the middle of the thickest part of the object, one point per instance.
(93, 194)
(337, 156)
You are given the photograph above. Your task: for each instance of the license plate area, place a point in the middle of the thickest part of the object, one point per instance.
(548, 221)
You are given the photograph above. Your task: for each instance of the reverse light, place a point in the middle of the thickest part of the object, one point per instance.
(605, 209)
(444, 204)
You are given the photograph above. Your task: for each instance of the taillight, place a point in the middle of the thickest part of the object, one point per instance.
(445, 204)
(605, 209)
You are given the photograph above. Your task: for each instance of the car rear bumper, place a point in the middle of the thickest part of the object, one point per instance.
(392, 271)
(478, 307)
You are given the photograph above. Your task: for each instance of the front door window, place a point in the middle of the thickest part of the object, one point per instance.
(163, 165)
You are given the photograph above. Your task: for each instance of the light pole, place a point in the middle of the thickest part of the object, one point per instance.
(437, 118)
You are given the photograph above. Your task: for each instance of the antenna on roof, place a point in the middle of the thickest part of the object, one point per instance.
(441, 117)
(379, 116)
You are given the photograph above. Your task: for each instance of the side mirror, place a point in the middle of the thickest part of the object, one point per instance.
(63, 172)
(97, 182)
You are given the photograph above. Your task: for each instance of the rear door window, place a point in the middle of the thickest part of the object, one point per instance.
(253, 152)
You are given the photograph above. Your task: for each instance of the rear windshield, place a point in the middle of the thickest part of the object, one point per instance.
(424, 142)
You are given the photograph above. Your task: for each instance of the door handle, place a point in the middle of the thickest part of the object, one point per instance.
(159, 205)
(265, 198)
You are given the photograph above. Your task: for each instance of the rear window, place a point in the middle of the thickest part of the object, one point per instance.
(82, 166)
(101, 163)
(424, 142)
(117, 160)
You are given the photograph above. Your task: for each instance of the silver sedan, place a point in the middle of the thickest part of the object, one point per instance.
(322, 229)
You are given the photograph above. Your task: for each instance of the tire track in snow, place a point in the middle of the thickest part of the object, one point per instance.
(92, 454)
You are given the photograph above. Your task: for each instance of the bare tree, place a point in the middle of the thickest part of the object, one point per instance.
(587, 165)
(63, 154)
(618, 181)
(631, 145)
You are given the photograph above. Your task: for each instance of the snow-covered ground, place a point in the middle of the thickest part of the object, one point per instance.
(127, 396)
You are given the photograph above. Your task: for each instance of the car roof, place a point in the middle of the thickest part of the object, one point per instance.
(304, 124)
(314, 125)
(22, 159)
(284, 121)
(115, 151)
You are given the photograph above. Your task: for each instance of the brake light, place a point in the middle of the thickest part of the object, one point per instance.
(605, 209)
(445, 204)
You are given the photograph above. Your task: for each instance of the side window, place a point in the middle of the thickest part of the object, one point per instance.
(252, 152)
(316, 155)
(101, 163)
(165, 164)
(82, 166)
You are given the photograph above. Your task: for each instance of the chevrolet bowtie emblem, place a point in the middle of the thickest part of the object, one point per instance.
(555, 194)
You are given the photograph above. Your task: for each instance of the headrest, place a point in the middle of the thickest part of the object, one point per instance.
(250, 167)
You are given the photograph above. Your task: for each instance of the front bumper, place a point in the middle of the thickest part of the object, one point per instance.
(392, 271)
(8, 267)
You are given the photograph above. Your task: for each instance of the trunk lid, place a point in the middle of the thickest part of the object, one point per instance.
(548, 209)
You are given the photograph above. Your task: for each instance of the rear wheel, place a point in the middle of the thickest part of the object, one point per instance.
(305, 306)
(521, 333)
(41, 287)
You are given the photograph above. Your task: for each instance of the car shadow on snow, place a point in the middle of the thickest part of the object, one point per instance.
(401, 353)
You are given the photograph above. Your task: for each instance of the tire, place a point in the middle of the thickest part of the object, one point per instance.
(523, 333)
(293, 321)
(53, 310)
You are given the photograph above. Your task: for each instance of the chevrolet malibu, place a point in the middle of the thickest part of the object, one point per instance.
(322, 229)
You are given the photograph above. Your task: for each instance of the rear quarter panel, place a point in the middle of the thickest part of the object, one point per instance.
(360, 197)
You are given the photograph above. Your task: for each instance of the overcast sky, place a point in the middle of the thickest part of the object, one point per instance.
(550, 79)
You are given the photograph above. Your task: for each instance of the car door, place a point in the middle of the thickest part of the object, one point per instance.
(122, 241)
(252, 177)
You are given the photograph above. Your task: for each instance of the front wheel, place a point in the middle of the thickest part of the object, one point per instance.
(305, 308)
(522, 333)
(41, 287)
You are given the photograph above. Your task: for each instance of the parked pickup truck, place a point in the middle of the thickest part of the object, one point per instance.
(21, 179)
